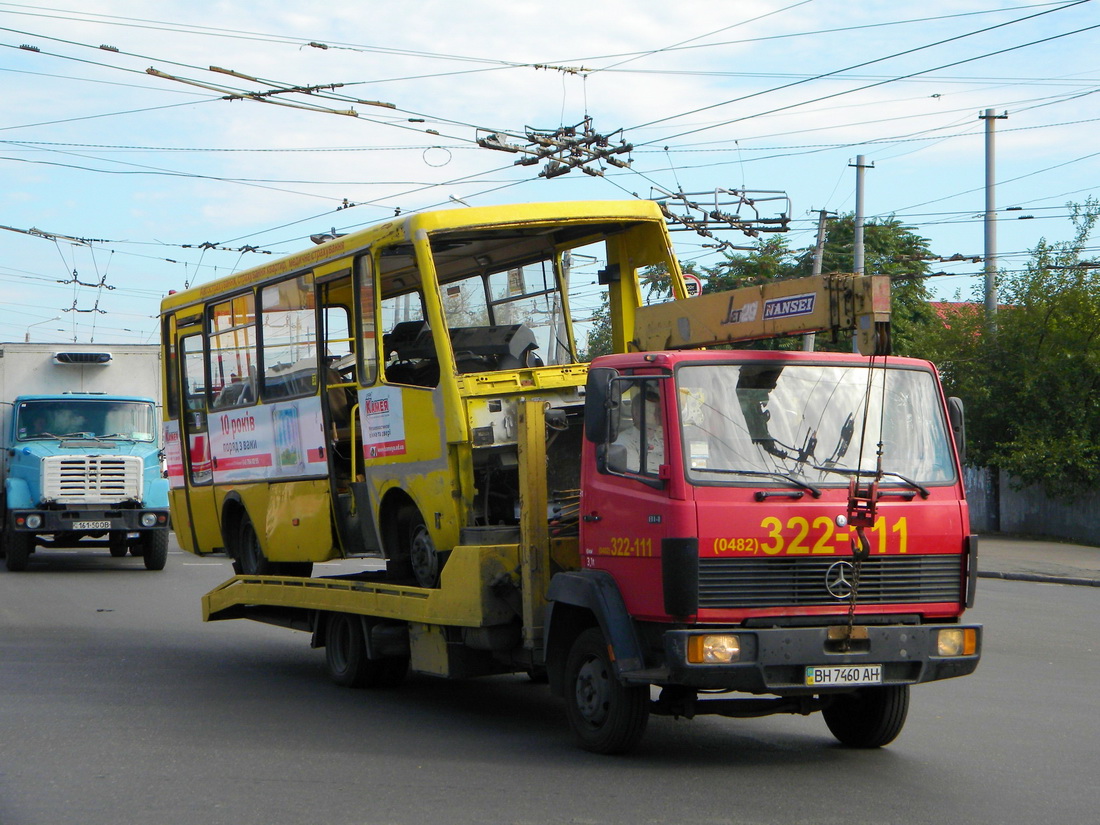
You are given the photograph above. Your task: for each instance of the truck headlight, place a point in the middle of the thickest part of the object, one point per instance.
(957, 641)
(714, 649)
(148, 519)
(34, 521)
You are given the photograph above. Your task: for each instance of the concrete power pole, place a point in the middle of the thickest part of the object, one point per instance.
(857, 240)
(990, 117)
(809, 338)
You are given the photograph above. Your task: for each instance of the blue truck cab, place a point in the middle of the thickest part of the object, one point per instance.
(84, 470)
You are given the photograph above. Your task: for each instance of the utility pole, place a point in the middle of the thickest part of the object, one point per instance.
(809, 338)
(990, 117)
(857, 240)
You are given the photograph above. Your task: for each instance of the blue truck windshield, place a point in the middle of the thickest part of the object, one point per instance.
(86, 418)
(819, 423)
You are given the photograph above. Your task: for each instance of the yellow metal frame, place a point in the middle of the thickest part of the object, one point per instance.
(464, 598)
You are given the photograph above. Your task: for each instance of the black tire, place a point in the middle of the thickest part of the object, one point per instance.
(413, 558)
(17, 549)
(116, 543)
(346, 657)
(154, 549)
(606, 716)
(250, 557)
(870, 717)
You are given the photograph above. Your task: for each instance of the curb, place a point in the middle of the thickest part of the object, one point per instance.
(1040, 577)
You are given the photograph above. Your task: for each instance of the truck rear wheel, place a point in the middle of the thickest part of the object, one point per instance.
(606, 716)
(346, 658)
(17, 549)
(870, 717)
(154, 549)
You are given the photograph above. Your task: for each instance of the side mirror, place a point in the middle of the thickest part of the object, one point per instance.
(602, 395)
(957, 417)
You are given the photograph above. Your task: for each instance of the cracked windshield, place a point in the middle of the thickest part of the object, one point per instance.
(818, 424)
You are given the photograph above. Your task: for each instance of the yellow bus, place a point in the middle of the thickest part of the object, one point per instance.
(359, 399)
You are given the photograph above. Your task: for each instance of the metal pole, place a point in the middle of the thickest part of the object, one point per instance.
(989, 116)
(809, 338)
(857, 239)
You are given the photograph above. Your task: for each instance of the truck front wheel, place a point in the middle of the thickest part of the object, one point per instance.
(116, 543)
(870, 717)
(154, 549)
(17, 549)
(606, 716)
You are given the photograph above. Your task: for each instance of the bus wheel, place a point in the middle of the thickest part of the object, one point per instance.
(870, 717)
(250, 558)
(346, 657)
(606, 716)
(154, 549)
(17, 549)
(412, 558)
(422, 554)
(116, 543)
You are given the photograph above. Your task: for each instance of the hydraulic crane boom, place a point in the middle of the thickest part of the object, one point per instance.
(817, 303)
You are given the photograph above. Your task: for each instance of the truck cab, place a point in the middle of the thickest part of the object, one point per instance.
(84, 470)
(789, 524)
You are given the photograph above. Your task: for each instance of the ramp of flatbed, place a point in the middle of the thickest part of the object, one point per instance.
(467, 595)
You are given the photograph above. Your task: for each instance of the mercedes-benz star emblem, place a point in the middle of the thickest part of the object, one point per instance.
(837, 580)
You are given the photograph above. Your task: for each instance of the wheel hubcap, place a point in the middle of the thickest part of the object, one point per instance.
(592, 692)
(425, 562)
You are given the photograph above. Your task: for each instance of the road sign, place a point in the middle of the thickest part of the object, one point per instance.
(694, 284)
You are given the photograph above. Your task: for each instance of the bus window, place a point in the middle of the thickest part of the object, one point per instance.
(407, 344)
(289, 339)
(233, 352)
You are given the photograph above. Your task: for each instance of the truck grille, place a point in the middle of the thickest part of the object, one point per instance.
(91, 479)
(783, 582)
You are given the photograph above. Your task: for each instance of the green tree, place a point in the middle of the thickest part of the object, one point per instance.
(889, 248)
(1029, 377)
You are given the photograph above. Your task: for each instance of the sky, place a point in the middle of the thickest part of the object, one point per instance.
(133, 163)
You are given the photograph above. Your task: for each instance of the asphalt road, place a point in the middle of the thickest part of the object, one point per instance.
(118, 705)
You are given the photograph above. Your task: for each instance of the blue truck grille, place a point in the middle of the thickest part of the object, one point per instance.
(782, 582)
(91, 479)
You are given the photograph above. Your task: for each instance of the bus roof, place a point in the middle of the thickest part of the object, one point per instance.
(408, 227)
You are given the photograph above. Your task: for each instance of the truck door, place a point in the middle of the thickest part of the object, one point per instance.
(626, 503)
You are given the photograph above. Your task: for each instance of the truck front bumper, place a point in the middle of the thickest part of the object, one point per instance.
(87, 520)
(775, 660)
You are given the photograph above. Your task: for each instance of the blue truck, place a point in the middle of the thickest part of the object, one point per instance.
(82, 463)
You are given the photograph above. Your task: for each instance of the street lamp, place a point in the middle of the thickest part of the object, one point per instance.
(27, 335)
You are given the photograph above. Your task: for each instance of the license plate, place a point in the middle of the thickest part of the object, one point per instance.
(91, 525)
(846, 675)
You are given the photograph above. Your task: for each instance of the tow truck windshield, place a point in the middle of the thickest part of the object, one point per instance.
(85, 419)
(820, 423)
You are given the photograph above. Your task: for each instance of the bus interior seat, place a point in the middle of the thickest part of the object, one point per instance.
(481, 349)
(407, 340)
(412, 347)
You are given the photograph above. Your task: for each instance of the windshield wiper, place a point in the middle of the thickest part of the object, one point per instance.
(847, 471)
(788, 477)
